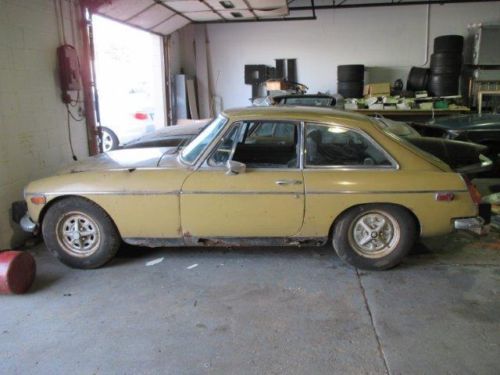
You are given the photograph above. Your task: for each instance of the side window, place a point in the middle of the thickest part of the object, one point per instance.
(271, 132)
(338, 146)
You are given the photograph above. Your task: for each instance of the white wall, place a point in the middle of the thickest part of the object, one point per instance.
(34, 134)
(388, 40)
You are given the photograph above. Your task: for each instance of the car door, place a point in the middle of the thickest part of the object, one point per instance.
(267, 200)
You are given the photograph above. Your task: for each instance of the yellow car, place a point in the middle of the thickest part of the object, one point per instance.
(257, 177)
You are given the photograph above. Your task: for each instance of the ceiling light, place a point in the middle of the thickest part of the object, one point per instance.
(227, 4)
(236, 14)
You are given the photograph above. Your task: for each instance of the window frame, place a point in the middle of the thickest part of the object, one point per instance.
(205, 165)
(394, 164)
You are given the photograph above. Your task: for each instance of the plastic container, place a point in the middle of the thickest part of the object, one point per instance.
(17, 272)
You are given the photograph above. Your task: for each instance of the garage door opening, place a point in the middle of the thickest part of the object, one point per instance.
(129, 79)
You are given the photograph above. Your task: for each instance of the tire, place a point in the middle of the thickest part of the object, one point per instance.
(350, 73)
(349, 232)
(109, 140)
(443, 85)
(350, 89)
(417, 79)
(449, 43)
(449, 59)
(92, 250)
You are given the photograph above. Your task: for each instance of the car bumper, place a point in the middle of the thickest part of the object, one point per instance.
(27, 224)
(471, 224)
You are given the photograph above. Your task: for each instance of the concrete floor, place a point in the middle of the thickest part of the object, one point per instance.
(260, 311)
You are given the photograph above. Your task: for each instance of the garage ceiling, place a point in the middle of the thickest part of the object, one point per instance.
(166, 16)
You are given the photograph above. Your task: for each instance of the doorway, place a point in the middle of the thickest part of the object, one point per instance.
(130, 82)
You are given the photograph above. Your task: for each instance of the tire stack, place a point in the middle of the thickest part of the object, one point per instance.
(446, 64)
(350, 80)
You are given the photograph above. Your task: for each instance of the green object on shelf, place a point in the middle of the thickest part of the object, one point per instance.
(441, 104)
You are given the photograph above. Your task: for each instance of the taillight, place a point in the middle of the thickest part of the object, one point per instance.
(474, 193)
(141, 116)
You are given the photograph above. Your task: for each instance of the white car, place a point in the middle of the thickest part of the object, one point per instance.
(125, 117)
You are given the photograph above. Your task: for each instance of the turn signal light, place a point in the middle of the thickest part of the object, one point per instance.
(445, 196)
(38, 199)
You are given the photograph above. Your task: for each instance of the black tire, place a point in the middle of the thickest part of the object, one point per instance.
(446, 59)
(346, 229)
(443, 85)
(417, 79)
(449, 43)
(108, 135)
(100, 231)
(350, 72)
(350, 89)
(446, 70)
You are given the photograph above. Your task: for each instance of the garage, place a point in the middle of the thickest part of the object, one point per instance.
(249, 187)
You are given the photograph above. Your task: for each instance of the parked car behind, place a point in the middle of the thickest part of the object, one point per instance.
(324, 177)
(483, 129)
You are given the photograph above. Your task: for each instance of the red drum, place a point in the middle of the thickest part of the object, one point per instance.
(17, 272)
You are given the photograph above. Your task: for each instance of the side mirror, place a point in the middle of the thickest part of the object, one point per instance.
(235, 167)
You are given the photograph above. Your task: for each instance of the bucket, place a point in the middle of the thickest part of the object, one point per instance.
(17, 272)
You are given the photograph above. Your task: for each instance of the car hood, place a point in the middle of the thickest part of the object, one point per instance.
(126, 159)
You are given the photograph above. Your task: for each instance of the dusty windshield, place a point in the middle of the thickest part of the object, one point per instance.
(194, 149)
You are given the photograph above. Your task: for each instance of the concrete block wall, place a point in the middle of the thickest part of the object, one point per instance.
(33, 119)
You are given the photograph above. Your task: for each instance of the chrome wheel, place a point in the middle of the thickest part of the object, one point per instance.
(78, 234)
(108, 142)
(374, 234)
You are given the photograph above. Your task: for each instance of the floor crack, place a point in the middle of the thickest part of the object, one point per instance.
(377, 337)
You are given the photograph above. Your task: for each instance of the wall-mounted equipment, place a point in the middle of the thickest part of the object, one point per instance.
(69, 70)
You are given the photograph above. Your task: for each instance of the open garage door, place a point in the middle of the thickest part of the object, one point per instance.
(129, 81)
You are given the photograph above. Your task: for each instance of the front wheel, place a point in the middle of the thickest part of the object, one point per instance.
(80, 233)
(374, 236)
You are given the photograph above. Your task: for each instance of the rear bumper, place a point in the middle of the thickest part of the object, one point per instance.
(471, 224)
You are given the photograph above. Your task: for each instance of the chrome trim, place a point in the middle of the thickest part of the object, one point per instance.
(302, 141)
(471, 224)
(27, 224)
(244, 192)
(395, 164)
(384, 192)
(175, 192)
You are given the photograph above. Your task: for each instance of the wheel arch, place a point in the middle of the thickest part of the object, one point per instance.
(60, 198)
(410, 212)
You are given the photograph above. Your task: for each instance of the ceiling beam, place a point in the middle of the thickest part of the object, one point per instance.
(342, 5)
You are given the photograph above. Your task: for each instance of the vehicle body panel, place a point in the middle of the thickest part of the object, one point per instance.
(165, 201)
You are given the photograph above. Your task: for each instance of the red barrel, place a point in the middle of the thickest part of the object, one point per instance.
(17, 272)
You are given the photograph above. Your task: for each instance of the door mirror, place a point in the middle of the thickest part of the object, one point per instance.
(235, 167)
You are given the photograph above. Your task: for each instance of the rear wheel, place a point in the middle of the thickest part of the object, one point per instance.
(374, 236)
(79, 233)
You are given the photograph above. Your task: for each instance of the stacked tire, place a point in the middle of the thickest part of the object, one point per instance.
(350, 80)
(446, 65)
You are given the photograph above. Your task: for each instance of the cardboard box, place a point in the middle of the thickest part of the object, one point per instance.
(277, 84)
(377, 89)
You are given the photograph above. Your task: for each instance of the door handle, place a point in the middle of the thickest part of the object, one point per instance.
(288, 182)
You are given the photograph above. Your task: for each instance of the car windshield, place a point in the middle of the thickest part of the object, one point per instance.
(194, 149)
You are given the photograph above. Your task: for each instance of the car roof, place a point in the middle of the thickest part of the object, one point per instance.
(319, 114)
